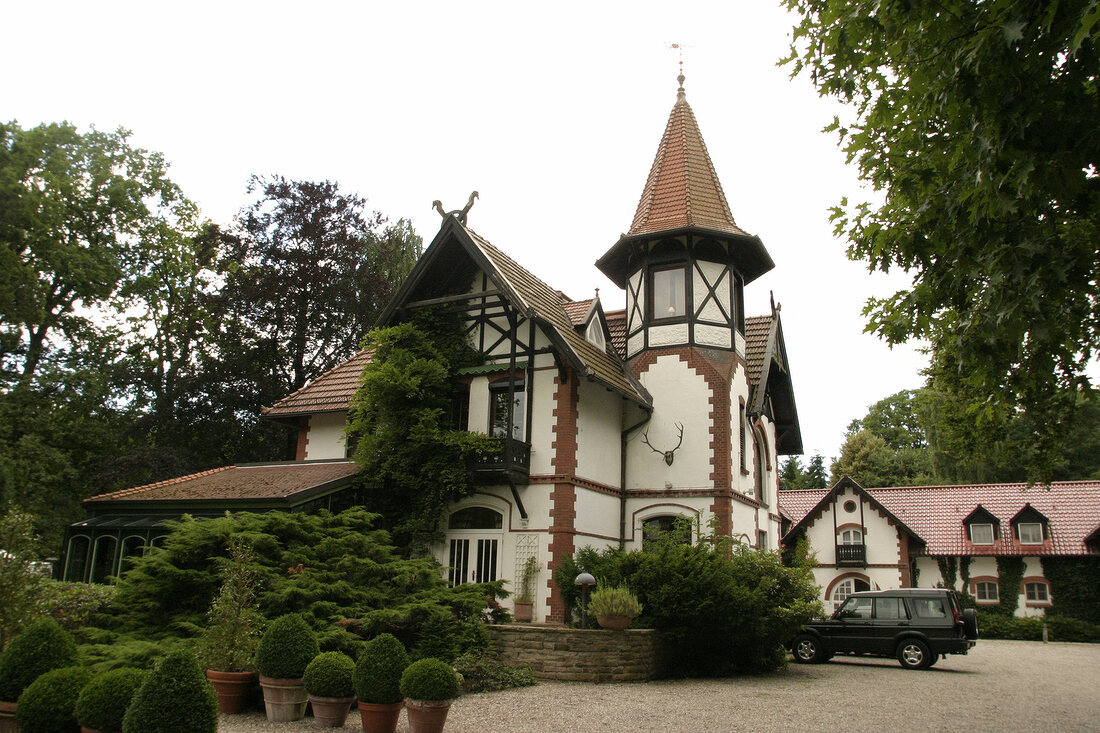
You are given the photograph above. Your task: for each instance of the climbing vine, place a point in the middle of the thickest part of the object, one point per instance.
(1074, 587)
(947, 571)
(409, 451)
(1010, 571)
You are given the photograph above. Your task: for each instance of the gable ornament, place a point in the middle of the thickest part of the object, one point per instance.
(459, 214)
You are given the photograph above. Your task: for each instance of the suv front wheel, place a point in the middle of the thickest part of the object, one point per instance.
(807, 650)
(915, 654)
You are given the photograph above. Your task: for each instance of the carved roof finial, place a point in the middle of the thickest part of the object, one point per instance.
(459, 214)
(680, 94)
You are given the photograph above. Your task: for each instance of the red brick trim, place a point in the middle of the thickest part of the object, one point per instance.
(563, 497)
(842, 577)
(303, 438)
(577, 481)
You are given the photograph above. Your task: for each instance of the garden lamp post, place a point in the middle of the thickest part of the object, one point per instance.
(584, 581)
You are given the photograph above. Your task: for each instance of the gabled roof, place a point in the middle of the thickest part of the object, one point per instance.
(683, 194)
(255, 481)
(936, 514)
(769, 375)
(330, 392)
(806, 507)
(530, 296)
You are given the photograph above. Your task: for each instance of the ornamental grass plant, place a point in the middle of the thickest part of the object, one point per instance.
(615, 601)
(103, 701)
(48, 704)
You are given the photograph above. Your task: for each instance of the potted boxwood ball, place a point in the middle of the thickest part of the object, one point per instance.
(175, 698)
(614, 608)
(47, 705)
(377, 683)
(328, 682)
(429, 686)
(103, 701)
(41, 647)
(286, 648)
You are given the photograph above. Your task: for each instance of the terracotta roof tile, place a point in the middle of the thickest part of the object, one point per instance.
(936, 514)
(616, 324)
(330, 392)
(757, 329)
(577, 310)
(253, 481)
(683, 188)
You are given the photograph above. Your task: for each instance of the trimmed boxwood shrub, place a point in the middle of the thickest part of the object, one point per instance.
(429, 679)
(329, 675)
(377, 676)
(47, 705)
(176, 698)
(42, 647)
(287, 647)
(104, 700)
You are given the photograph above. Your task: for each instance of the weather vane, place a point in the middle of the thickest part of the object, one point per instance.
(680, 48)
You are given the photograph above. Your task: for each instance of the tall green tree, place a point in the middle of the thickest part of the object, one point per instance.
(792, 475)
(976, 119)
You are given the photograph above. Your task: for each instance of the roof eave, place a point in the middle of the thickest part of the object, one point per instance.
(612, 263)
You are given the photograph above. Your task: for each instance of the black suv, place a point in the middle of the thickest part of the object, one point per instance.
(915, 625)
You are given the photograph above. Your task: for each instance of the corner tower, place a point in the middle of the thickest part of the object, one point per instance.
(684, 262)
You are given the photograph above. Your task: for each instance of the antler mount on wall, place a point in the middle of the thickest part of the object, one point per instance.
(669, 455)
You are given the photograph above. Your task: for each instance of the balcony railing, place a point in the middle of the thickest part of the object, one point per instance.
(851, 555)
(513, 461)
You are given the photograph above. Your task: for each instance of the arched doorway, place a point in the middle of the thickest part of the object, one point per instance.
(474, 537)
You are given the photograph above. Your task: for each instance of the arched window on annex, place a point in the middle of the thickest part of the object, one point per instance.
(666, 523)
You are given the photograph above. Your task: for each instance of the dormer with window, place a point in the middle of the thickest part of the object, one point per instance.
(982, 528)
(1030, 526)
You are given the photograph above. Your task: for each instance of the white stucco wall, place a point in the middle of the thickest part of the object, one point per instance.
(325, 439)
(599, 434)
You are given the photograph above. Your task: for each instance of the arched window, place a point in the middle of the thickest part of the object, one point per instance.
(666, 527)
(103, 559)
(850, 537)
(476, 517)
(133, 546)
(847, 587)
(76, 559)
(758, 466)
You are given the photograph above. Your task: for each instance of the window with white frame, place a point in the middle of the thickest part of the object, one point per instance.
(1037, 592)
(847, 587)
(499, 417)
(1030, 533)
(986, 591)
(981, 534)
(850, 537)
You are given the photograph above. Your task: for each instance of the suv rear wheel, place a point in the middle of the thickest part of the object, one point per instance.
(807, 650)
(914, 654)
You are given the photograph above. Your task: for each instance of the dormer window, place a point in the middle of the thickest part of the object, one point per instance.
(981, 534)
(594, 333)
(1030, 526)
(669, 293)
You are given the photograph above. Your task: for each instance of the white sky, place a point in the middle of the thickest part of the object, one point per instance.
(553, 113)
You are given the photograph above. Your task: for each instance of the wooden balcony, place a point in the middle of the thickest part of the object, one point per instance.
(512, 464)
(851, 556)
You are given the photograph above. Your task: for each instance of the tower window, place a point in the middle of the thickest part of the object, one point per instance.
(669, 293)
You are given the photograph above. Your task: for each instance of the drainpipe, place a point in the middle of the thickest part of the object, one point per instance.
(622, 476)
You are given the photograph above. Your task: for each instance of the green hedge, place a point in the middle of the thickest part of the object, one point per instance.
(1059, 628)
(42, 647)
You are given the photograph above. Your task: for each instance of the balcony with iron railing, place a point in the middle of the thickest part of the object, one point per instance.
(851, 556)
(512, 463)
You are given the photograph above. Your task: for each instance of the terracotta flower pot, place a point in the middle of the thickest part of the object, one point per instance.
(231, 688)
(378, 717)
(427, 716)
(330, 712)
(525, 611)
(284, 700)
(7, 718)
(614, 623)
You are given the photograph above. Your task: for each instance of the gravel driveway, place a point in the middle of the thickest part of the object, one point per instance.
(1000, 685)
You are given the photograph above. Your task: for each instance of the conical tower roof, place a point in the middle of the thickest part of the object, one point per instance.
(683, 195)
(683, 189)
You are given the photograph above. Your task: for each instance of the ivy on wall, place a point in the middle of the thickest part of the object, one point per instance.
(1074, 587)
(947, 571)
(1010, 571)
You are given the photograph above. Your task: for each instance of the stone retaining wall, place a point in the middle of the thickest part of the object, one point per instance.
(589, 655)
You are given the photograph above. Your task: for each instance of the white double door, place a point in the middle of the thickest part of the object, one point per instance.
(473, 558)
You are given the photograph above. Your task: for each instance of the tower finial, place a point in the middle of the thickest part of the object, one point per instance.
(679, 92)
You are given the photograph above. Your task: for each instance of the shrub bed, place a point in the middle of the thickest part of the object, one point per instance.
(48, 704)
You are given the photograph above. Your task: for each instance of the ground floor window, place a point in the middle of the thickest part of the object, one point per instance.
(986, 591)
(667, 527)
(846, 588)
(1037, 592)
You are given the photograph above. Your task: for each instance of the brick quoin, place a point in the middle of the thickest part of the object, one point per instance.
(563, 497)
(720, 439)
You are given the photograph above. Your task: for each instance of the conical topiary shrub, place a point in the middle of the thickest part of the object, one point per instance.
(286, 649)
(47, 705)
(377, 683)
(103, 701)
(42, 647)
(176, 698)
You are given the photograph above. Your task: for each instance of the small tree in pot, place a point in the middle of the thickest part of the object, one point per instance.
(103, 701)
(328, 683)
(286, 649)
(429, 686)
(525, 597)
(228, 646)
(377, 683)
